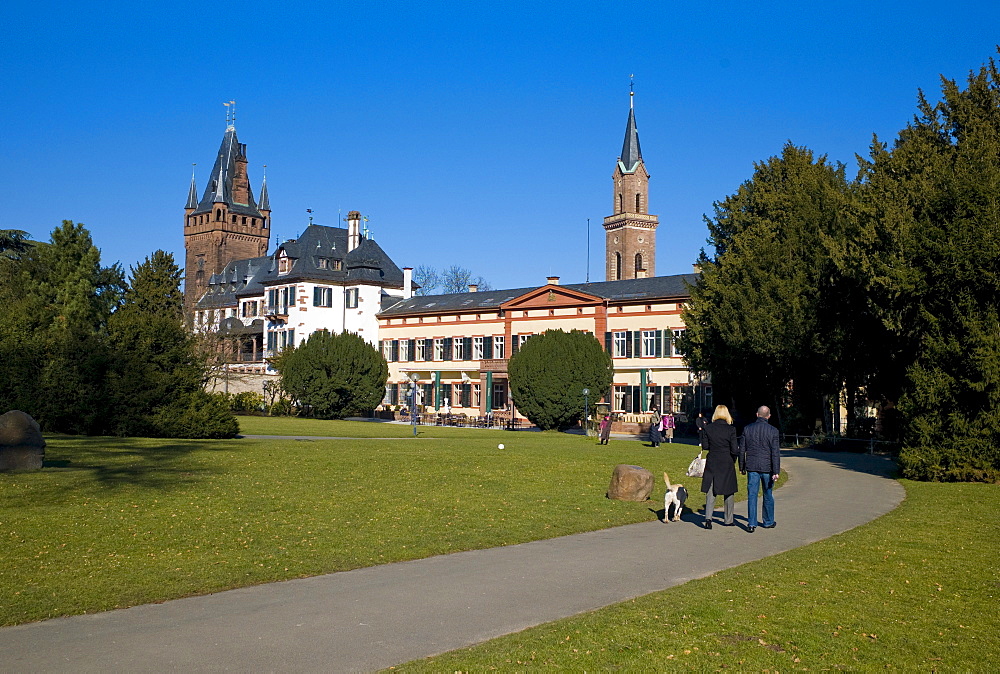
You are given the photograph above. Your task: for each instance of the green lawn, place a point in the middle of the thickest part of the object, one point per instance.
(915, 590)
(114, 522)
(253, 425)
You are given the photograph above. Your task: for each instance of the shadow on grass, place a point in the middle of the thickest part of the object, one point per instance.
(147, 463)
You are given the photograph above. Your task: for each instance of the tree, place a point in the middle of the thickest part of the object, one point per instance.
(454, 279)
(334, 375)
(427, 278)
(929, 252)
(154, 362)
(14, 243)
(551, 370)
(59, 329)
(759, 314)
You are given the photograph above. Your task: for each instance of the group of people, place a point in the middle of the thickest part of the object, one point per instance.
(662, 428)
(758, 456)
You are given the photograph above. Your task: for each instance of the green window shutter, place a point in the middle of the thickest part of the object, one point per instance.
(429, 348)
(658, 341)
(487, 347)
(637, 343)
(447, 348)
(608, 342)
(467, 349)
(413, 350)
(395, 350)
(628, 344)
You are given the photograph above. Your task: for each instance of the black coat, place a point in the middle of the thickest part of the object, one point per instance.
(720, 462)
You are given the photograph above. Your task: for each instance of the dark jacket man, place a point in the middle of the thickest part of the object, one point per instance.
(760, 448)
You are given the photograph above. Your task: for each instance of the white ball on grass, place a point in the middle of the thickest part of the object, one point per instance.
(500, 446)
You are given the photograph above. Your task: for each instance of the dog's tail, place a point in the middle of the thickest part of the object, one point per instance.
(666, 479)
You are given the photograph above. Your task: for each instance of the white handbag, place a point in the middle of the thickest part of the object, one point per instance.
(697, 467)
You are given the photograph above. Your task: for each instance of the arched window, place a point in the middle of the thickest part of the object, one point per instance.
(218, 215)
(637, 207)
(234, 220)
(638, 264)
(621, 204)
(618, 266)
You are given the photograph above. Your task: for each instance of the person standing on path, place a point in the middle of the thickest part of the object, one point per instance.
(605, 429)
(720, 465)
(760, 460)
(667, 425)
(655, 430)
(700, 424)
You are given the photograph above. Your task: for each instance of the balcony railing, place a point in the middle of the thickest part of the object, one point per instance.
(276, 313)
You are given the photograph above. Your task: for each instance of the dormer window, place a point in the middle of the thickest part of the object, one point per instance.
(284, 264)
(323, 263)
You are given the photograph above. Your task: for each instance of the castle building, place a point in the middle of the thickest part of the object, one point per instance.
(227, 224)
(448, 351)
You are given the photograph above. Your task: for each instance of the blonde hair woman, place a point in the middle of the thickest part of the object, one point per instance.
(720, 465)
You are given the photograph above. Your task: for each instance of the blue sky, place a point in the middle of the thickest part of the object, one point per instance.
(479, 134)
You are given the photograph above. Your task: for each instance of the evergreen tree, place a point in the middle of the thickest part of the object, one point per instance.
(334, 375)
(551, 370)
(154, 361)
(929, 251)
(61, 325)
(759, 315)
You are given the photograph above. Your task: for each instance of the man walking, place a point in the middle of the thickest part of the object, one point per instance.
(761, 462)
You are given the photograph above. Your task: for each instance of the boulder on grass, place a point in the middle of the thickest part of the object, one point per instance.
(630, 483)
(21, 443)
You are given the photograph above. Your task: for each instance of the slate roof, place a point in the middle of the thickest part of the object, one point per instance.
(655, 287)
(220, 181)
(367, 263)
(631, 152)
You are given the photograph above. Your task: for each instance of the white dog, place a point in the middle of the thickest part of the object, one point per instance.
(676, 495)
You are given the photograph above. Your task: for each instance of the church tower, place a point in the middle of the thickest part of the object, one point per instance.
(227, 223)
(630, 234)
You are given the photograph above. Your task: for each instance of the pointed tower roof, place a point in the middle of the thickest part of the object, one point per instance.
(220, 185)
(192, 201)
(631, 152)
(265, 204)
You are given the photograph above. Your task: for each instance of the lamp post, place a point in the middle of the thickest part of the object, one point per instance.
(413, 402)
(586, 412)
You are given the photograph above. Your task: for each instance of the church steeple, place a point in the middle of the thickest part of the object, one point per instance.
(226, 224)
(631, 231)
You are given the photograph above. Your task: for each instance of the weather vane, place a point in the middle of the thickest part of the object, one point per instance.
(631, 89)
(309, 211)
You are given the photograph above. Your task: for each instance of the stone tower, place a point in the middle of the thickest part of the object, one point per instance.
(630, 234)
(227, 224)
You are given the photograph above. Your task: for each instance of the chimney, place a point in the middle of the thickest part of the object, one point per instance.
(640, 273)
(696, 268)
(552, 280)
(407, 282)
(353, 230)
(473, 287)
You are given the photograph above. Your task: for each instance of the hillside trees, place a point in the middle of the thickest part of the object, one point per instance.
(548, 375)
(334, 375)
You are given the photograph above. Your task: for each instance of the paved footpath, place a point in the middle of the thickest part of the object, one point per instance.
(377, 617)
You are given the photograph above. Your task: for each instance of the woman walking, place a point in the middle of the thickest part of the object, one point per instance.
(720, 465)
(605, 429)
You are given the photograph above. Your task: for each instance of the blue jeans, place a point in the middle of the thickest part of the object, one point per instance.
(755, 480)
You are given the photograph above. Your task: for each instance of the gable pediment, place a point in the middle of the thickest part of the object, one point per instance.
(551, 295)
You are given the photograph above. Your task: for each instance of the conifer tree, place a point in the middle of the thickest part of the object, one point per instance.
(549, 373)
(929, 252)
(759, 315)
(334, 375)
